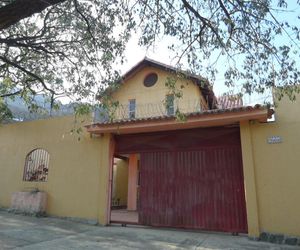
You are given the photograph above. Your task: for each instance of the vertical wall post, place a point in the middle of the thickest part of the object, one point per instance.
(249, 180)
(110, 176)
(132, 182)
(105, 176)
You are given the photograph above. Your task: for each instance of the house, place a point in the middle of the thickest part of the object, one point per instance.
(170, 156)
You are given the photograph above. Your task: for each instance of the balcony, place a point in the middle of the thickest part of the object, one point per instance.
(148, 110)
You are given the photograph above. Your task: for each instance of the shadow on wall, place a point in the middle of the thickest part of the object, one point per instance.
(120, 183)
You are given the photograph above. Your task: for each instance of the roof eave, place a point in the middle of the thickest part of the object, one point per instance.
(203, 120)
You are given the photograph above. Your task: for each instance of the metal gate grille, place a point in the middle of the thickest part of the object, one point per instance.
(200, 189)
(36, 165)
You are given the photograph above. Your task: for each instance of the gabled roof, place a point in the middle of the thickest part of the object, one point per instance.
(205, 87)
(150, 62)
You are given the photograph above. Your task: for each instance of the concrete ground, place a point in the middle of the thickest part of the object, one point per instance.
(23, 232)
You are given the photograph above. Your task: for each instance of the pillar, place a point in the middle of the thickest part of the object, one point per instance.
(132, 182)
(105, 181)
(249, 180)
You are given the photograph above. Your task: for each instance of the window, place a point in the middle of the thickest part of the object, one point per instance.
(150, 79)
(36, 165)
(170, 104)
(132, 109)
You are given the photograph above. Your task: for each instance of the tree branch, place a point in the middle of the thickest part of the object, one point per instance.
(85, 19)
(4, 59)
(228, 16)
(205, 21)
(10, 94)
(19, 9)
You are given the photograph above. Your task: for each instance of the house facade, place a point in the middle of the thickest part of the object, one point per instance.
(172, 156)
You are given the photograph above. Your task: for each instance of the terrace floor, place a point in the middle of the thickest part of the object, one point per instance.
(124, 216)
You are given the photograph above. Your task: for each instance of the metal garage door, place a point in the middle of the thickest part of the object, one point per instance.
(192, 179)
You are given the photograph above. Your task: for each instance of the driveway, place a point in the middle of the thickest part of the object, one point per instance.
(23, 232)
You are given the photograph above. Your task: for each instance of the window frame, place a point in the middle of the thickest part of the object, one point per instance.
(150, 79)
(36, 166)
(132, 108)
(170, 105)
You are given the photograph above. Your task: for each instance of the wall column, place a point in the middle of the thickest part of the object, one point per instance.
(105, 187)
(132, 182)
(249, 180)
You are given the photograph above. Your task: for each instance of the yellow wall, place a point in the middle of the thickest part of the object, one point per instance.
(135, 89)
(120, 181)
(276, 170)
(78, 170)
(78, 178)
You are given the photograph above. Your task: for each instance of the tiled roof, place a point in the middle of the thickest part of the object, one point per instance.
(229, 101)
(189, 115)
(150, 62)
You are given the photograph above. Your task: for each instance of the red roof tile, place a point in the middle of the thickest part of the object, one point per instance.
(231, 101)
(189, 115)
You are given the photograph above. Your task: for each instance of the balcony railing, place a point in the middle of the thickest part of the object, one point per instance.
(148, 110)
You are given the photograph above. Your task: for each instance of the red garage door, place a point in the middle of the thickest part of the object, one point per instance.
(191, 179)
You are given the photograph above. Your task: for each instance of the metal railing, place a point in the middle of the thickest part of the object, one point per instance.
(148, 110)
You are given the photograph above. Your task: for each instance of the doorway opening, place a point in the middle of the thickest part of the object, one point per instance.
(125, 189)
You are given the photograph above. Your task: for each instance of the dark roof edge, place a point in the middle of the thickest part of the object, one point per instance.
(150, 62)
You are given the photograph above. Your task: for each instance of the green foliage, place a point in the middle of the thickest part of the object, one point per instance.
(82, 112)
(66, 50)
(175, 90)
(109, 107)
(180, 116)
(290, 91)
(83, 109)
(5, 113)
(71, 48)
(257, 50)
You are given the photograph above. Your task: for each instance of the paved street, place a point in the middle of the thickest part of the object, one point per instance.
(23, 232)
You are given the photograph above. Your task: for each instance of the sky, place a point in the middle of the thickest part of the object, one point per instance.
(134, 53)
(160, 52)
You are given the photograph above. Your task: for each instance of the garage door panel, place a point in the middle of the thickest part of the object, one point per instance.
(158, 179)
(190, 178)
(200, 189)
